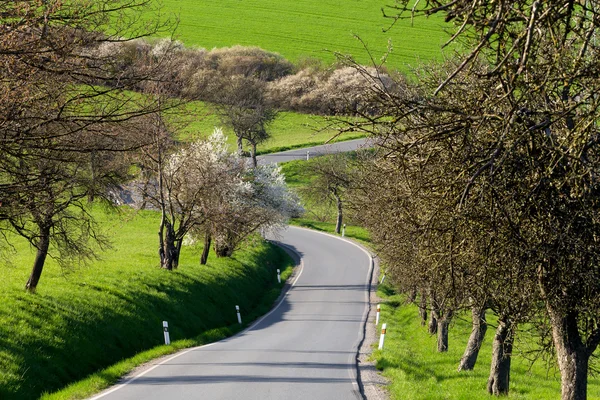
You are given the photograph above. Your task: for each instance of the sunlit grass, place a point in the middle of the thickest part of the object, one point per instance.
(418, 372)
(289, 130)
(310, 28)
(88, 318)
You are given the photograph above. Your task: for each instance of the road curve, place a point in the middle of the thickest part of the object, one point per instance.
(304, 349)
(315, 151)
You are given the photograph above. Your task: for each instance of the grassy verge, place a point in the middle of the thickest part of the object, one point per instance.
(417, 372)
(84, 320)
(309, 28)
(290, 130)
(321, 216)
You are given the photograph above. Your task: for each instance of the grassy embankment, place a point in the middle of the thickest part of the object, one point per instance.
(308, 28)
(83, 320)
(418, 372)
(290, 130)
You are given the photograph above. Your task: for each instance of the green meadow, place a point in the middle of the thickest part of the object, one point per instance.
(418, 372)
(97, 317)
(299, 29)
(289, 130)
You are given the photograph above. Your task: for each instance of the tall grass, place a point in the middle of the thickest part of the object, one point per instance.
(88, 318)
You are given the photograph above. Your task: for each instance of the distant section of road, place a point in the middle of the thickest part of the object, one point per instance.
(300, 154)
(305, 349)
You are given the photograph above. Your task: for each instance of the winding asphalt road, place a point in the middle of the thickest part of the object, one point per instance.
(304, 349)
(315, 151)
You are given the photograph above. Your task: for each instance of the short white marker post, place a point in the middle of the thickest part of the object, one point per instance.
(344, 230)
(237, 309)
(307, 155)
(377, 315)
(382, 279)
(166, 332)
(278, 275)
(382, 337)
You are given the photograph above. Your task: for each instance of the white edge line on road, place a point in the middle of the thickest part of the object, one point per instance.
(128, 381)
(354, 372)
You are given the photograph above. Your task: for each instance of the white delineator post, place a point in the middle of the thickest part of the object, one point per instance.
(377, 315)
(166, 332)
(382, 279)
(278, 275)
(344, 230)
(382, 337)
(307, 155)
(237, 309)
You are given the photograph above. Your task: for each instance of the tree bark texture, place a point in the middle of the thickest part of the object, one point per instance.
(572, 354)
(43, 245)
(423, 309)
(442, 335)
(206, 249)
(240, 146)
(338, 223)
(469, 358)
(443, 324)
(168, 249)
(499, 380)
(254, 161)
(433, 325)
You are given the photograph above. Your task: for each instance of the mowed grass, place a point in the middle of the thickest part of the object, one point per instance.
(418, 372)
(288, 131)
(309, 28)
(89, 318)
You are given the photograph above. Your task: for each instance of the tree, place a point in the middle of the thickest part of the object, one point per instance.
(241, 103)
(331, 180)
(66, 118)
(543, 66)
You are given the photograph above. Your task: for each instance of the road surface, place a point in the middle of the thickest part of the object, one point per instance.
(304, 349)
(300, 154)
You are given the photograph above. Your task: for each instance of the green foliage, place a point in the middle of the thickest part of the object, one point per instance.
(418, 372)
(289, 130)
(82, 320)
(308, 28)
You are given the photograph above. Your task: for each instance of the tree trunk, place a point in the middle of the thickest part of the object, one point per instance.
(442, 335)
(469, 358)
(423, 308)
(443, 324)
(206, 249)
(168, 250)
(433, 317)
(240, 146)
(498, 382)
(40, 258)
(572, 354)
(338, 223)
(177, 253)
(254, 162)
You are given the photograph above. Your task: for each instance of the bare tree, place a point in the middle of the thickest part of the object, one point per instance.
(242, 105)
(331, 179)
(66, 118)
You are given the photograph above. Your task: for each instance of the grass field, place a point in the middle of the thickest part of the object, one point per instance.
(418, 372)
(308, 28)
(84, 320)
(289, 130)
